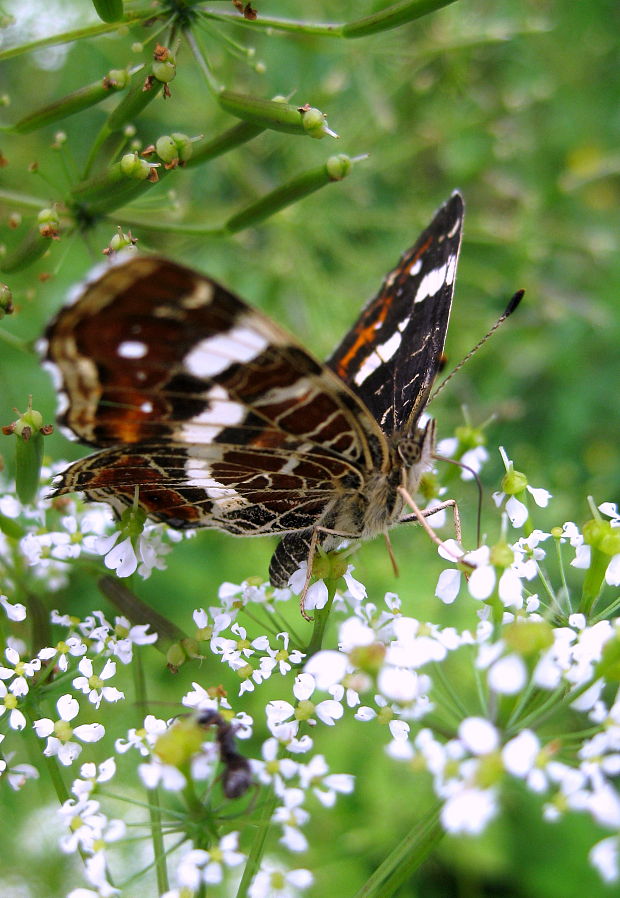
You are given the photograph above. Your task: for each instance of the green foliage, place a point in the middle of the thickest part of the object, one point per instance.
(514, 104)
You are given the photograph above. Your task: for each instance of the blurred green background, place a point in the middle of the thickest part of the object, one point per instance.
(518, 106)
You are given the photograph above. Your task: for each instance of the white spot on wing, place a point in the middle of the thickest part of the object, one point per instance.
(132, 349)
(413, 270)
(432, 283)
(215, 354)
(371, 364)
(454, 228)
(222, 412)
(451, 272)
(225, 498)
(387, 349)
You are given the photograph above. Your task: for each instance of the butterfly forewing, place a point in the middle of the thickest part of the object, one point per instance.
(392, 354)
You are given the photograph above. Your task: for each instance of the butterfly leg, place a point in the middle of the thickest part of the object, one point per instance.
(420, 516)
(390, 550)
(310, 561)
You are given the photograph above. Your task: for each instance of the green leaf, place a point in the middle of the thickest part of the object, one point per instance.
(109, 10)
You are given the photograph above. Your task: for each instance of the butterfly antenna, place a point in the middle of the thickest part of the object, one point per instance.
(510, 308)
(474, 474)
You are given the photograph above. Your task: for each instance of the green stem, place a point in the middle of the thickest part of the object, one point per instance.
(14, 342)
(21, 199)
(258, 845)
(231, 139)
(285, 195)
(214, 86)
(320, 622)
(31, 248)
(106, 192)
(392, 17)
(56, 777)
(75, 34)
(157, 837)
(405, 858)
(593, 580)
(82, 98)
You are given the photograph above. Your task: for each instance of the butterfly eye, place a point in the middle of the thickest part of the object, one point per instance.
(409, 451)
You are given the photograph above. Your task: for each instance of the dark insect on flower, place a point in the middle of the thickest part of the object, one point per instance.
(237, 775)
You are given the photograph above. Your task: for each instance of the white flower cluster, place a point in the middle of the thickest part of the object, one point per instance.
(546, 710)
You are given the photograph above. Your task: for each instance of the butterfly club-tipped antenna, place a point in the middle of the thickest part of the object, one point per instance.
(510, 308)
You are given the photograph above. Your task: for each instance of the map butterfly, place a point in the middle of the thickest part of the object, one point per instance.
(221, 419)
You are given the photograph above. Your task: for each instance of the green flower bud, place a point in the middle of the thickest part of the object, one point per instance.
(164, 65)
(116, 79)
(48, 222)
(502, 555)
(528, 637)
(136, 168)
(338, 167)
(166, 148)
(184, 145)
(469, 437)
(314, 122)
(513, 482)
(175, 656)
(602, 536)
(368, 658)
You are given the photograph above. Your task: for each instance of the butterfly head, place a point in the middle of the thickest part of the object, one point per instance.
(416, 452)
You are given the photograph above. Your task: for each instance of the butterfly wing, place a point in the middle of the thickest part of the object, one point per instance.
(392, 354)
(215, 413)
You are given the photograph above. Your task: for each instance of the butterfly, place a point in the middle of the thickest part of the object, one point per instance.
(214, 416)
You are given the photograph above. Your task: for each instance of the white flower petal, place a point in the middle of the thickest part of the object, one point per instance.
(508, 675)
(516, 511)
(478, 735)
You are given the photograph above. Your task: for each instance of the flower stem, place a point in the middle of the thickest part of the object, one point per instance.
(391, 17)
(405, 858)
(320, 621)
(157, 838)
(258, 846)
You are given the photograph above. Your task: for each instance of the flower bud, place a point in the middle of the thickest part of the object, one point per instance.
(469, 437)
(528, 637)
(164, 65)
(338, 167)
(49, 223)
(502, 555)
(134, 167)
(315, 123)
(602, 536)
(513, 482)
